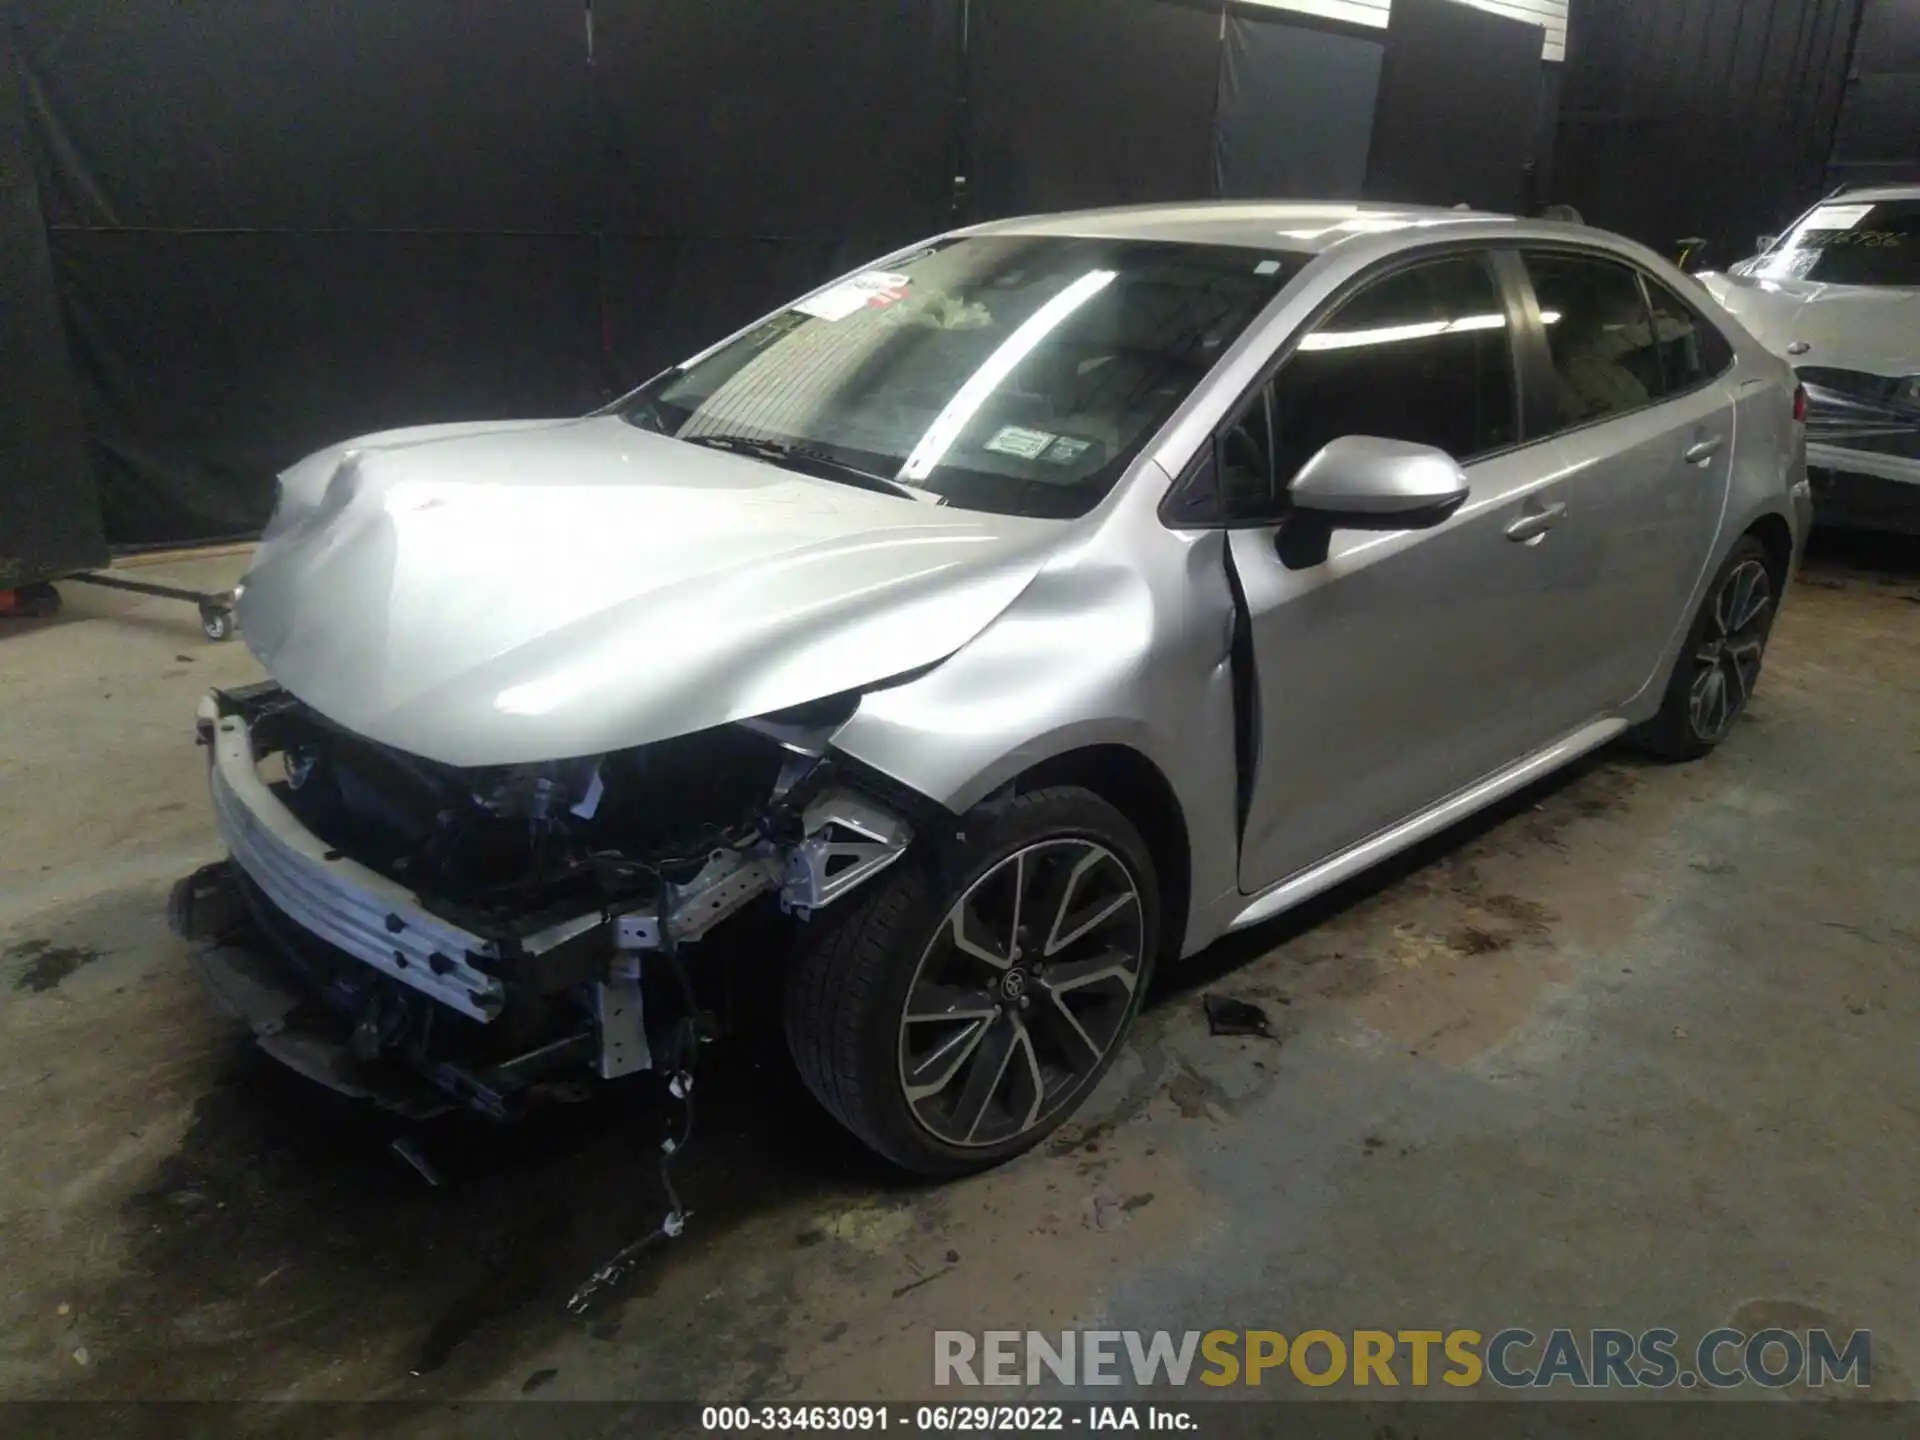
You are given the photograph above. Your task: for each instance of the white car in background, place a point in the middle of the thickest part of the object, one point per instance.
(1838, 294)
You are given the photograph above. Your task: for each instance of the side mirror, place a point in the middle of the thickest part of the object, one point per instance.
(1362, 482)
(1763, 243)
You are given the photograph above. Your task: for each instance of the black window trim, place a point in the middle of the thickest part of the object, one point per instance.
(1503, 264)
(1541, 357)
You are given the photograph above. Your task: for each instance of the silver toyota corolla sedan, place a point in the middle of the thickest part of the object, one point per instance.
(1839, 295)
(1021, 612)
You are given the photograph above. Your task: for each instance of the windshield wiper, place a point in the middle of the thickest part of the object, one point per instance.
(812, 459)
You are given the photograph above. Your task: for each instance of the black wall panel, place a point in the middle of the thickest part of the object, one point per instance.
(742, 118)
(1077, 103)
(211, 362)
(1889, 41)
(1546, 122)
(290, 114)
(1699, 117)
(1296, 110)
(1877, 136)
(49, 513)
(1458, 91)
(667, 299)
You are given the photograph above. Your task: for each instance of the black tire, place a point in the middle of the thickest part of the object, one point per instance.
(1681, 730)
(847, 994)
(216, 623)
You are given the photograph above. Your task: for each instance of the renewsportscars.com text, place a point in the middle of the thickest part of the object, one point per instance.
(1386, 1359)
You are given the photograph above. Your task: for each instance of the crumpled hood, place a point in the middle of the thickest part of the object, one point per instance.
(1875, 329)
(494, 594)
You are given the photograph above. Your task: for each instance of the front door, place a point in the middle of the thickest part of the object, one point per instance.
(1397, 670)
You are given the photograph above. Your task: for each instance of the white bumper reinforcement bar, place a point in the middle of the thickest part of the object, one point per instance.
(331, 896)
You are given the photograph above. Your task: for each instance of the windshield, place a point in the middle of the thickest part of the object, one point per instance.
(1865, 243)
(1011, 373)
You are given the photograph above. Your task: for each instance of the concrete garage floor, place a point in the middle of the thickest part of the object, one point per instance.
(1637, 1050)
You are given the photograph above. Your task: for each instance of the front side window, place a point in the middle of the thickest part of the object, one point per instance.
(1868, 242)
(1599, 333)
(1422, 355)
(1008, 373)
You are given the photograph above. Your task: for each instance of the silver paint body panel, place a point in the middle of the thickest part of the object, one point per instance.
(480, 595)
(489, 594)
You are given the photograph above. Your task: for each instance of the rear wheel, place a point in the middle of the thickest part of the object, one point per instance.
(968, 1002)
(1720, 661)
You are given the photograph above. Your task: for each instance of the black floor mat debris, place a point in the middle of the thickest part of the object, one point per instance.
(1228, 1016)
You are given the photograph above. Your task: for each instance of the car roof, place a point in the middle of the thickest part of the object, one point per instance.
(1908, 191)
(1306, 226)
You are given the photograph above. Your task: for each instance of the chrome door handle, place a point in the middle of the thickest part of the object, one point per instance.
(1532, 527)
(1702, 451)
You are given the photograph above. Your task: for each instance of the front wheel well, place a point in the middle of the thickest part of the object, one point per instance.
(1134, 786)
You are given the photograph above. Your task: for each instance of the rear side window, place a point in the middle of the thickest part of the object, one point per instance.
(1600, 335)
(1423, 355)
(1691, 352)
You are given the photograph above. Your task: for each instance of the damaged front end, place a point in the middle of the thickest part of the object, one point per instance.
(431, 936)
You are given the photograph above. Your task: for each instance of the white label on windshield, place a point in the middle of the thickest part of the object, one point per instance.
(1018, 440)
(1836, 217)
(874, 287)
(1067, 449)
(835, 304)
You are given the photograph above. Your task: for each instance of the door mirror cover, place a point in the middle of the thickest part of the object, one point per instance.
(1367, 482)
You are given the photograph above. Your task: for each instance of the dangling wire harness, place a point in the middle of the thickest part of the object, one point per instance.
(686, 1040)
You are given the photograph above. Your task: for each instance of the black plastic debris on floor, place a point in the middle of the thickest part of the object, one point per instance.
(1228, 1016)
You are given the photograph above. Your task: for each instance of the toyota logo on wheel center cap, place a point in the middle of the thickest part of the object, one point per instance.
(1013, 984)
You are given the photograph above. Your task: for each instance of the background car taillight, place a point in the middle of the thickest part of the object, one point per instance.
(1800, 404)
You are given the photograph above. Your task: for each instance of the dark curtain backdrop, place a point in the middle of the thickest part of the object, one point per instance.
(1877, 136)
(1458, 92)
(1546, 125)
(757, 147)
(271, 224)
(274, 224)
(49, 511)
(1296, 110)
(1699, 117)
(1076, 103)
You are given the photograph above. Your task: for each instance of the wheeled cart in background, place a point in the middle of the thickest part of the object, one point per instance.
(216, 606)
(40, 600)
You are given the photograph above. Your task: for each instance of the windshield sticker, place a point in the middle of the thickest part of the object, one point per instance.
(1018, 440)
(835, 304)
(1267, 267)
(1836, 217)
(1066, 450)
(874, 288)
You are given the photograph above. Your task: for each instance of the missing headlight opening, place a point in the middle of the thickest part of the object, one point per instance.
(485, 937)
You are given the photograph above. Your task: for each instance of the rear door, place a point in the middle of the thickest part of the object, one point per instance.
(1643, 444)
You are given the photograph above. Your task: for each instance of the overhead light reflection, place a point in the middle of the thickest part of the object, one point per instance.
(1390, 334)
(1353, 225)
(948, 424)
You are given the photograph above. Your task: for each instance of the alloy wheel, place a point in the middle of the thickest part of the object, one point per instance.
(1022, 992)
(1727, 661)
